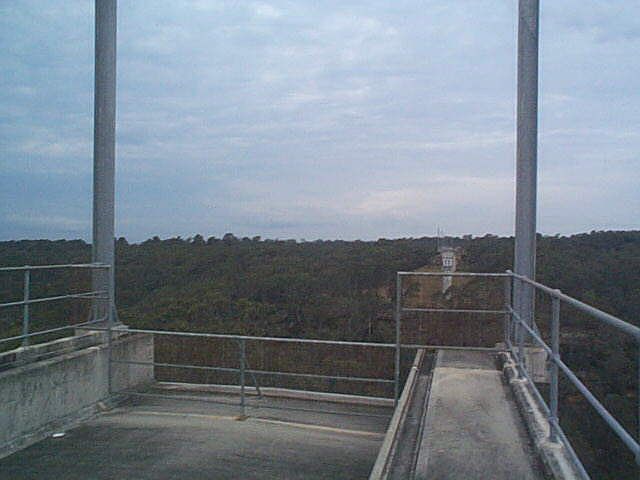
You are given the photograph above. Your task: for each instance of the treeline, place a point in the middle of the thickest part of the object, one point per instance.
(329, 289)
(345, 289)
(333, 289)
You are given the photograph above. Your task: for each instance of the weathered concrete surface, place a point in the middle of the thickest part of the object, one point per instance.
(472, 427)
(554, 456)
(154, 439)
(43, 351)
(41, 396)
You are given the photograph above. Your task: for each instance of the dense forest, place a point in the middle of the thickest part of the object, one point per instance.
(345, 289)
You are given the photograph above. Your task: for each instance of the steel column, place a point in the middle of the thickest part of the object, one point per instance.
(526, 156)
(104, 142)
(25, 307)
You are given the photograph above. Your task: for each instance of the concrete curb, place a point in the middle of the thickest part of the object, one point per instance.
(381, 467)
(555, 460)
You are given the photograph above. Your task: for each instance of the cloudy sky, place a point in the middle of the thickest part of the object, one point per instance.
(318, 119)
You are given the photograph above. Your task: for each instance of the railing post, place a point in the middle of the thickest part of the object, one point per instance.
(110, 310)
(242, 371)
(25, 307)
(553, 369)
(507, 306)
(638, 403)
(522, 363)
(398, 316)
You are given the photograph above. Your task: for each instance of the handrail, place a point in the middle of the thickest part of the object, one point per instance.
(595, 403)
(588, 309)
(626, 438)
(515, 328)
(455, 274)
(313, 341)
(54, 267)
(27, 301)
(89, 295)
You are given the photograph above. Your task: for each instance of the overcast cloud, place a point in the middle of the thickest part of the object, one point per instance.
(306, 119)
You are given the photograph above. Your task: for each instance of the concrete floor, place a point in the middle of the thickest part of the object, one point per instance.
(472, 427)
(176, 439)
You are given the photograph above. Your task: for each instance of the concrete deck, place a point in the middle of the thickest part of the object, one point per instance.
(152, 438)
(472, 427)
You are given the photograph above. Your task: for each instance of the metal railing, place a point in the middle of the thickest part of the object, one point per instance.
(514, 339)
(516, 331)
(27, 301)
(400, 309)
(243, 368)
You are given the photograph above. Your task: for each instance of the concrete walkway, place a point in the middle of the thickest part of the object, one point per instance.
(169, 439)
(472, 427)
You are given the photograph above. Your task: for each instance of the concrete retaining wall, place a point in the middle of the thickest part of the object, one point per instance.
(40, 397)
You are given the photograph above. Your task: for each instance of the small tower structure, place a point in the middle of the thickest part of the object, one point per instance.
(448, 255)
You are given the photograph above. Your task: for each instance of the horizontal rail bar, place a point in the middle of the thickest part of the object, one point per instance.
(452, 310)
(251, 338)
(53, 330)
(594, 312)
(177, 365)
(626, 438)
(294, 340)
(453, 274)
(599, 314)
(54, 267)
(450, 347)
(320, 376)
(88, 295)
(257, 372)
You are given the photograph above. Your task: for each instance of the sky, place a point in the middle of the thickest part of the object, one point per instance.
(318, 119)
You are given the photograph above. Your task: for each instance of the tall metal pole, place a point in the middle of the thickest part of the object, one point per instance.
(526, 156)
(104, 145)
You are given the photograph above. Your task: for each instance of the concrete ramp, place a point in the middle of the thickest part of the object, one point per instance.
(472, 429)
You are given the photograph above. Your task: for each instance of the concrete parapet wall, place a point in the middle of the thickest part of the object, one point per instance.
(43, 396)
(43, 351)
